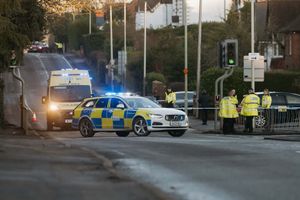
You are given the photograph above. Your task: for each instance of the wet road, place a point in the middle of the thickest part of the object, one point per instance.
(195, 166)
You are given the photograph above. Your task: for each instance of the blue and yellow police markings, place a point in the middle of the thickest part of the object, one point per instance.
(111, 118)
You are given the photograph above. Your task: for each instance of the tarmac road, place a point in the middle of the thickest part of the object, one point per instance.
(192, 167)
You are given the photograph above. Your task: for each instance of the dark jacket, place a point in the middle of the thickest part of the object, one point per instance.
(204, 100)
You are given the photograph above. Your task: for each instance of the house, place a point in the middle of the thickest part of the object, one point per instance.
(278, 33)
(160, 13)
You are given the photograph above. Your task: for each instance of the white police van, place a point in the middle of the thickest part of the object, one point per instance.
(66, 89)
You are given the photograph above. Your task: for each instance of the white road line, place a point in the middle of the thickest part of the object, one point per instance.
(63, 57)
(43, 65)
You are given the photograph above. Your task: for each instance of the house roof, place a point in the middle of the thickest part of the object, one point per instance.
(294, 26)
(281, 13)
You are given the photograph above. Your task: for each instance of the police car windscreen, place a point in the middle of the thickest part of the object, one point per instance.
(141, 103)
(71, 93)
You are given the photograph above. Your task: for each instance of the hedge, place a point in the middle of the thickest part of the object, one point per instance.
(280, 81)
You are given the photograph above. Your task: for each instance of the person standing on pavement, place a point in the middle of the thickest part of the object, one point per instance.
(204, 103)
(170, 98)
(228, 111)
(250, 105)
(266, 104)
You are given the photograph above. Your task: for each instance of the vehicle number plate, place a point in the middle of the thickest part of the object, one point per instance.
(175, 124)
(68, 121)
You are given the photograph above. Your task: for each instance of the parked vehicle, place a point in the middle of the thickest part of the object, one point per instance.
(38, 47)
(180, 98)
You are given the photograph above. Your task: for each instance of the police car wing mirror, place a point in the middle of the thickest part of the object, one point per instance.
(44, 100)
(121, 106)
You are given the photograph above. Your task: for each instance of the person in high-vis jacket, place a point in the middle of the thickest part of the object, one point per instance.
(250, 105)
(266, 103)
(170, 98)
(228, 111)
(266, 99)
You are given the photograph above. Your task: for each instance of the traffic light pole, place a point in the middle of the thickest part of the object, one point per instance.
(220, 80)
(252, 45)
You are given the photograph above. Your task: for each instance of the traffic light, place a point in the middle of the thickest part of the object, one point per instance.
(229, 53)
(13, 58)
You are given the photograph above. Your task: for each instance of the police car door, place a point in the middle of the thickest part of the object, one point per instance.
(116, 114)
(99, 115)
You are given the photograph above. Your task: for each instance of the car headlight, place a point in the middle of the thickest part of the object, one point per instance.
(157, 116)
(53, 107)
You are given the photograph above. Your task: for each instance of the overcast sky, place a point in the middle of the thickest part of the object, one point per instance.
(213, 10)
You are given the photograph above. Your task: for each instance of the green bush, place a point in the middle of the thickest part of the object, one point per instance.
(93, 42)
(281, 81)
(234, 82)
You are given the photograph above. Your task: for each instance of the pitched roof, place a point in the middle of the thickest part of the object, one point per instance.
(294, 26)
(281, 13)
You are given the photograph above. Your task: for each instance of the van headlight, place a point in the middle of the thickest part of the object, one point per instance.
(53, 107)
(157, 116)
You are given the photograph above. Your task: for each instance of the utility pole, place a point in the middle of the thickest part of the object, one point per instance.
(90, 21)
(252, 45)
(199, 56)
(145, 48)
(185, 57)
(224, 10)
(111, 67)
(125, 44)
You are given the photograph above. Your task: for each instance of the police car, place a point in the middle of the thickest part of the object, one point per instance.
(123, 114)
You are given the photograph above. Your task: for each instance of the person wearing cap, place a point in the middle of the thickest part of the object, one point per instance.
(228, 111)
(250, 105)
(170, 98)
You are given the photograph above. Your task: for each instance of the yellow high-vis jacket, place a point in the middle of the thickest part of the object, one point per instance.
(266, 101)
(171, 97)
(228, 107)
(250, 105)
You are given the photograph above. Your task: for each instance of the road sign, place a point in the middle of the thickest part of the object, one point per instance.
(253, 56)
(259, 69)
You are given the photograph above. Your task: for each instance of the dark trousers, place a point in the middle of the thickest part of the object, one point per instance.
(249, 124)
(169, 105)
(204, 114)
(228, 125)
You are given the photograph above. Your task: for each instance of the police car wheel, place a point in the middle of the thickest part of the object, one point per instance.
(86, 128)
(122, 133)
(140, 127)
(176, 133)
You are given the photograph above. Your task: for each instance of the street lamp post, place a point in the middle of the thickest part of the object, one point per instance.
(145, 48)
(111, 67)
(199, 56)
(90, 22)
(252, 45)
(125, 44)
(185, 57)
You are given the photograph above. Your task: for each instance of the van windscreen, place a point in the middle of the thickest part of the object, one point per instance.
(70, 93)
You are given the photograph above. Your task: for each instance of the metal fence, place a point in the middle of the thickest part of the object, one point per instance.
(279, 119)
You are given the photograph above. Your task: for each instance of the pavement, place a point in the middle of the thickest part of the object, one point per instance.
(34, 167)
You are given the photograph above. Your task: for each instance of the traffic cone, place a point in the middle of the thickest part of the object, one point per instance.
(34, 117)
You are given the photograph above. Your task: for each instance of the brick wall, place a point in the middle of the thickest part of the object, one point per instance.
(292, 53)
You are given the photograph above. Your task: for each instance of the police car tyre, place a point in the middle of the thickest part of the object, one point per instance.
(176, 133)
(140, 127)
(86, 128)
(122, 133)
